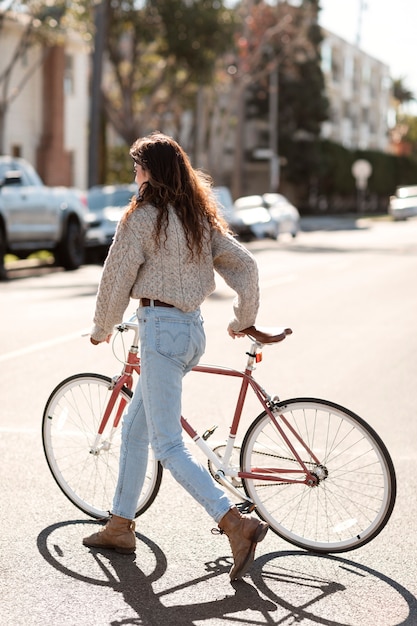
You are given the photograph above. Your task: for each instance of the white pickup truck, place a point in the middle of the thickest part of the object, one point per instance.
(35, 217)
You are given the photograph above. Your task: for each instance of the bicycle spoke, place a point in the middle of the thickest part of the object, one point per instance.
(355, 490)
(71, 420)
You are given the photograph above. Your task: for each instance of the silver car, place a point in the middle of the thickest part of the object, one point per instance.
(269, 215)
(36, 217)
(257, 222)
(404, 203)
(106, 204)
(283, 213)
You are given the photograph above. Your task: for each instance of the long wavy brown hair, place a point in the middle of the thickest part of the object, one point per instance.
(173, 181)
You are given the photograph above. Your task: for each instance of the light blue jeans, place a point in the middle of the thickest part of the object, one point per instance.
(172, 342)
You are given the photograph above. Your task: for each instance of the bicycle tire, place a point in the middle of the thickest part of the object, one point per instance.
(356, 489)
(70, 422)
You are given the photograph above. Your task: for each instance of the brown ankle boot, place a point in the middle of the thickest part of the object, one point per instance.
(118, 534)
(244, 533)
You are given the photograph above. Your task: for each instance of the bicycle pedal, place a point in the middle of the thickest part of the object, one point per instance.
(245, 507)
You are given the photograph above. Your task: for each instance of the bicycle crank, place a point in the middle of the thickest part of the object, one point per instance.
(234, 462)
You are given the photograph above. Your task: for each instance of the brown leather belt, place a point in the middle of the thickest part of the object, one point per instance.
(147, 302)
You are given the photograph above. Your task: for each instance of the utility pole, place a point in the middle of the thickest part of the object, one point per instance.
(238, 171)
(362, 7)
(273, 129)
(274, 163)
(96, 100)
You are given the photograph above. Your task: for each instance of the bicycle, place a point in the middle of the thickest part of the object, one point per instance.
(316, 472)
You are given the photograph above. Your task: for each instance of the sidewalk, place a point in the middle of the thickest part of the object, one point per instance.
(337, 222)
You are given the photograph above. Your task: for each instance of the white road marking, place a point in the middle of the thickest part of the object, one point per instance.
(19, 431)
(42, 345)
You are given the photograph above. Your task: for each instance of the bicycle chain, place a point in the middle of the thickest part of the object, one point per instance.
(285, 458)
(275, 456)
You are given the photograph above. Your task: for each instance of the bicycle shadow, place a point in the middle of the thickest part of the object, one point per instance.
(319, 591)
(357, 585)
(152, 611)
(124, 574)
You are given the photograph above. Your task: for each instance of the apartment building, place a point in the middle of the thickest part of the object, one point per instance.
(359, 90)
(47, 112)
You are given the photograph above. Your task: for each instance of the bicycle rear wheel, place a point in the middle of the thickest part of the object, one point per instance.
(70, 424)
(356, 489)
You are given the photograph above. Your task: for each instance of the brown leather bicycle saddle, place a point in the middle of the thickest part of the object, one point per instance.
(266, 334)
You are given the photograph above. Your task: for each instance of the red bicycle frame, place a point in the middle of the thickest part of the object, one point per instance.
(272, 474)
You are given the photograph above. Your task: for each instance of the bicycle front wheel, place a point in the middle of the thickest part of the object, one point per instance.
(88, 475)
(355, 486)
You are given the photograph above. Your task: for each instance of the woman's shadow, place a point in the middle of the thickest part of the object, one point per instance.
(295, 593)
(125, 576)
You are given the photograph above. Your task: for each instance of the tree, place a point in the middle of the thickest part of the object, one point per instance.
(401, 93)
(403, 134)
(286, 39)
(158, 55)
(274, 42)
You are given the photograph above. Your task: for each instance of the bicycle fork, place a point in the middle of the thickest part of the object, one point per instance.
(99, 443)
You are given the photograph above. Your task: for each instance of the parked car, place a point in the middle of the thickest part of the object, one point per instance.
(238, 222)
(258, 216)
(106, 204)
(225, 201)
(254, 219)
(283, 213)
(35, 217)
(404, 203)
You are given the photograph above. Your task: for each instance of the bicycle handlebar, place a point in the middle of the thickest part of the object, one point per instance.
(262, 334)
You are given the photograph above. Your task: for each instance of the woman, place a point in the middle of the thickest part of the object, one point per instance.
(166, 247)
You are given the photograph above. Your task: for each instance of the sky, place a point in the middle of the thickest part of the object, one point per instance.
(388, 32)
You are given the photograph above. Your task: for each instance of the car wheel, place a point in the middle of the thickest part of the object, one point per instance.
(70, 251)
(96, 256)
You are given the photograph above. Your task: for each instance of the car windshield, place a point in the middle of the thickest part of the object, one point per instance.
(249, 202)
(101, 199)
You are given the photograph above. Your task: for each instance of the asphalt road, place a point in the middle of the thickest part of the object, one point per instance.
(348, 290)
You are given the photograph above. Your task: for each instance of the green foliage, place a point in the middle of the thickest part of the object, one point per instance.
(407, 127)
(288, 38)
(388, 171)
(119, 167)
(196, 33)
(335, 171)
(401, 91)
(160, 52)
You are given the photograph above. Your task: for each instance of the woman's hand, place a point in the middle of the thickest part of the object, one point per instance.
(235, 334)
(95, 342)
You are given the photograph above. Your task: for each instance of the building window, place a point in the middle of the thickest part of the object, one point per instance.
(365, 115)
(326, 58)
(349, 69)
(69, 75)
(366, 73)
(346, 109)
(356, 74)
(336, 69)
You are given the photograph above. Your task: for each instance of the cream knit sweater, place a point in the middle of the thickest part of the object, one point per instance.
(137, 268)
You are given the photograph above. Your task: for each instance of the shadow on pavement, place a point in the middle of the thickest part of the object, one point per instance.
(286, 587)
